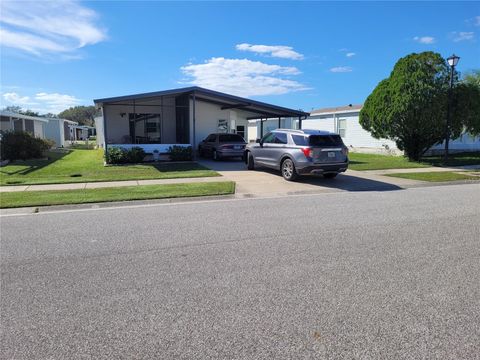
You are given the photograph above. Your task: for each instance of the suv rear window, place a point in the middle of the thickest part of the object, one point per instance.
(325, 140)
(230, 138)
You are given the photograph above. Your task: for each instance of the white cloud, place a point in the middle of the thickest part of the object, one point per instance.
(350, 54)
(424, 39)
(14, 98)
(462, 35)
(55, 102)
(279, 51)
(243, 77)
(42, 102)
(44, 28)
(341, 69)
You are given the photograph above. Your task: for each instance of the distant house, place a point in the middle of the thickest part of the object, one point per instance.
(344, 120)
(62, 131)
(83, 132)
(184, 117)
(11, 121)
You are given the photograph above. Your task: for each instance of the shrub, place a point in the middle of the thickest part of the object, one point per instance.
(135, 155)
(23, 145)
(116, 155)
(180, 153)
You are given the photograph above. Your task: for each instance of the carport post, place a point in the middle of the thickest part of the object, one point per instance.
(279, 122)
(300, 122)
(261, 128)
(193, 130)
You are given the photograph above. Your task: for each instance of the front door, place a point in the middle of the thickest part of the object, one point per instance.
(241, 130)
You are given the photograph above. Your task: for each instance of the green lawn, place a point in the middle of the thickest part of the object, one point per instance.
(61, 197)
(87, 166)
(360, 161)
(436, 176)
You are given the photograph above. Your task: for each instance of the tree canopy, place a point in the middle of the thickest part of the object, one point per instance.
(84, 115)
(410, 106)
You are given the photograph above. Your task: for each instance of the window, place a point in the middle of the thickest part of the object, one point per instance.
(230, 138)
(145, 128)
(269, 138)
(210, 138)
(280, 138)
(342, 127)
(325, 140)
(299, 140)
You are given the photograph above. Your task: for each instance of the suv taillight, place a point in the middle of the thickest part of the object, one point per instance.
(308, 152)
(345, 151)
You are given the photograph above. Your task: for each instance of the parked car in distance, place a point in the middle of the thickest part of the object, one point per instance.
(218, 146)
(299, 152)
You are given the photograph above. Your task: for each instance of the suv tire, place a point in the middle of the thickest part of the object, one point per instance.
(250, 161)
(288, 170)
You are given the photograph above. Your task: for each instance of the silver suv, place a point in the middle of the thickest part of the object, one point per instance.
(299, 152)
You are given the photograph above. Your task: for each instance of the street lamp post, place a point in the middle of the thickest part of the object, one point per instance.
(452, 61)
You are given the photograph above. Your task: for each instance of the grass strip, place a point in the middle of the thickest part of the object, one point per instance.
(362, 161)
(436, 176)
(87, 166)
(62, 197)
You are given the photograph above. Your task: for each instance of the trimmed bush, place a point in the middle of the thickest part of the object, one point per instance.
(135, 155)
(22, 145)
(180, 153)
(116, 155)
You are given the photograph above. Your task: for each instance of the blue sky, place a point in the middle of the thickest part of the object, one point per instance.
(296, 54)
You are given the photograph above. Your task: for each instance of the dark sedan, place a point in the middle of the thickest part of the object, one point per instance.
(218, 146)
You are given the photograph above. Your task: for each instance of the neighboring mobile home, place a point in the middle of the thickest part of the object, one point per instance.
(344, 120)
(61, 131)
(158, 120)
(11, 121)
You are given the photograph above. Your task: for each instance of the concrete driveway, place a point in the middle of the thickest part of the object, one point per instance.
(264, 182)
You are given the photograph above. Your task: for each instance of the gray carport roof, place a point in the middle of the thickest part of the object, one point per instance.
(226, 101)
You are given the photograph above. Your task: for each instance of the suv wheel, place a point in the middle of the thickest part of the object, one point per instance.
(250, 161)
(288, 170)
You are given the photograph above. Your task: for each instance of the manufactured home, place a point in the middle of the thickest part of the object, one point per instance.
(183, 117)
(11, 121)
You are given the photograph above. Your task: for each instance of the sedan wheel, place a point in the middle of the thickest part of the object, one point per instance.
(288, 170)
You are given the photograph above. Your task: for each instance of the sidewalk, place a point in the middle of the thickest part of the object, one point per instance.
(106, 184)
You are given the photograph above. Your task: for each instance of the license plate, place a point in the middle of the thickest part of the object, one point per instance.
(331, 154)
(237, 147)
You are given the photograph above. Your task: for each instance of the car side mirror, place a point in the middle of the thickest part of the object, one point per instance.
(258, 141)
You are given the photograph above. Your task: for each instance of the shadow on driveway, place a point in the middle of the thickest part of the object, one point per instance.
(265, 180)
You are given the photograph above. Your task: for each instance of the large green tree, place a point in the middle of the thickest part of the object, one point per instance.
(84, 115)
(410, 106)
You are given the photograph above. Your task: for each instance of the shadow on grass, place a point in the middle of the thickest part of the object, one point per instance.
(29, 166)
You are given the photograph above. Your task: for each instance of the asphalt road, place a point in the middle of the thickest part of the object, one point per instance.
(367, 275)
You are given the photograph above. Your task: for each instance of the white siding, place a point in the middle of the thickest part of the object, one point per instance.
(54, 131)
(38, 129)
(207, 116)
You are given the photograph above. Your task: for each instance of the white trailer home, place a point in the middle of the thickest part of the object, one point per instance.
(10, 121)
(184, 117)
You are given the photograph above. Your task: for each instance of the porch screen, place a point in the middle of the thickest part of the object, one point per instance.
(145, 128)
